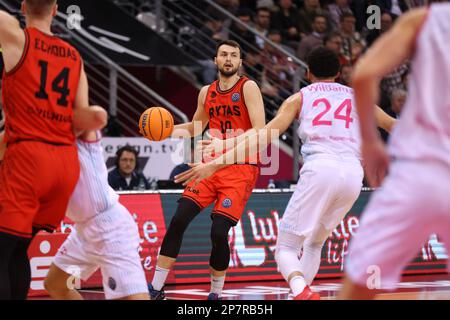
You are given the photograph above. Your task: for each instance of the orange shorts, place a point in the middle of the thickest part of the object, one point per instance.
(36, 182)
(230, 187)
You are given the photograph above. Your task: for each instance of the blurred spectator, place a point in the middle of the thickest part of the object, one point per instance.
(240, 34)
(395, 80)
(262, 25)
(306, 15)
(229, 5)
(353, 44)
(396, 7)
(385, 25)
(346, 75)
(203, 47)
(126, 176)
(278, 69)
(337, 9)
(398, 99)
(333, 41)
(253, 67)
(285, 20)
(265, 4)
(314, 39)
(415, 3)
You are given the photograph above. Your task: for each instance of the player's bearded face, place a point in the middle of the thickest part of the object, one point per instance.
(228, 61)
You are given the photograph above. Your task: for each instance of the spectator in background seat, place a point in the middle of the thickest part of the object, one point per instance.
(353, 44)
(333, 41)
(126, 176)
(314, 39)
(385, 25)
(306, 16)
(337, 9)
(285, 20)
(239, 33)
(346, 75)
(279, 71)
(262, 25)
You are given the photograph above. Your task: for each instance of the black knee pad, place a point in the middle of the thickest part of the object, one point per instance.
(220, 253)
(187, 210)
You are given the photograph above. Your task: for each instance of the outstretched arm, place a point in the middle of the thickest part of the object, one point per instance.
(388, 52)
(199, 120)
(383, 120)
(251, 144)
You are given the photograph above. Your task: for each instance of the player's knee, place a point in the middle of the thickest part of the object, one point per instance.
(219, 231)
(186, 211)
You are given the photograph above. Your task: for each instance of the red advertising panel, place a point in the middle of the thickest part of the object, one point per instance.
(146, 211)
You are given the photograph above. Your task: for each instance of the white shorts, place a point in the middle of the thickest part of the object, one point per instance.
(326, 191)
(109, 241)
(412, 204)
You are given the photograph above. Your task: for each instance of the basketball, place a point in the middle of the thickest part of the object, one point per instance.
(156, 124)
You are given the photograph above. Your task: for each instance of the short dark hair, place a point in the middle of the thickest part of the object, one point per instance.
(331, 35)
(319, 15)
(244, 12)
(323, 63)
(346, 14)
(230, 43)
(39, 7)
(126, 148)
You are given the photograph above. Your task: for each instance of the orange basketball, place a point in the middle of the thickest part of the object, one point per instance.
(156, 124)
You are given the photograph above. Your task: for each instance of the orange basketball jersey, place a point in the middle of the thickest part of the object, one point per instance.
(38, 94)
(228, 114)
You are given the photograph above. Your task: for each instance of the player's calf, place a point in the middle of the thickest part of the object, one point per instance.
(57, 285)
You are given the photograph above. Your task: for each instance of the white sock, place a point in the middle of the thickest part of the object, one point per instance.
(159, 278)
(297, 285)
(217, 284)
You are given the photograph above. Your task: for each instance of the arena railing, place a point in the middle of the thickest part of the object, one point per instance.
(125, 96)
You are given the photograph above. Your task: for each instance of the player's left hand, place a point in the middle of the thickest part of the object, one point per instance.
(211, 148)
(376, 162)
(198, 172)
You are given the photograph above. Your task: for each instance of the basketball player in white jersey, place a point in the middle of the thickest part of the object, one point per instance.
(413, 201)
(105, 235)
(331, 177)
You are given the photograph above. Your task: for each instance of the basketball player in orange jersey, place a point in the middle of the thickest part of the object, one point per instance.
(413, 201)
(331, 176)
(45, 98)
(231, 105)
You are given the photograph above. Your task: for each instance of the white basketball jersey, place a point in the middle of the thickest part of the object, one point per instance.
(92, 194)
(423, 132)
(329, 123)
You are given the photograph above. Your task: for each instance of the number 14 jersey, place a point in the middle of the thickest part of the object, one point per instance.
(39, 92)
(329, 122)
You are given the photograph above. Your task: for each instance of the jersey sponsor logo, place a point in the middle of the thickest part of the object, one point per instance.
(236, 97)
(227, 203)
(193, 190)
(224, 111)
(112, 284)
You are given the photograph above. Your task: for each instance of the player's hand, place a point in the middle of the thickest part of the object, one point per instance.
(211, 147)
(376, 162)
(197, 173)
